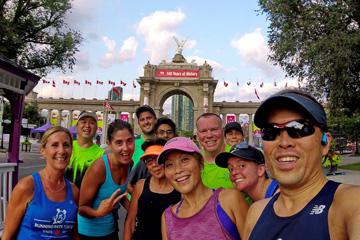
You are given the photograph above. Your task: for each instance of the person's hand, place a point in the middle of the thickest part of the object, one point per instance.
(107, 205)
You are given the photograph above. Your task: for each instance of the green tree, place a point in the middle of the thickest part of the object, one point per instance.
(34, 34)
(351, 127)
(30, 112)
(318, 41)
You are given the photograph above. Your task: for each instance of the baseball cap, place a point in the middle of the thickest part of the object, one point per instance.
(87, 114)
(152, 150)
(144, 108)
(233, 125)
(293, 101)
(241, 150)
(178, 143)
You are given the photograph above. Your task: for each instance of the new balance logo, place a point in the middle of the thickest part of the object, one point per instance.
(317, 209)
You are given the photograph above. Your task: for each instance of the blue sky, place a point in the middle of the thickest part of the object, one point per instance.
(121, 36)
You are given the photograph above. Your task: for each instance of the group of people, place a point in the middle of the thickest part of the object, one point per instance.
(172, 190)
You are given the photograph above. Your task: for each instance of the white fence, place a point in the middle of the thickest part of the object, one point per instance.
(6, 175)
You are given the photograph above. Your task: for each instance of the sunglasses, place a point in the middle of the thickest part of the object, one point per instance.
(295, 129)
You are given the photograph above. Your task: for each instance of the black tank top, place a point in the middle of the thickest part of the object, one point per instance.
(311, 223)
(150, 208)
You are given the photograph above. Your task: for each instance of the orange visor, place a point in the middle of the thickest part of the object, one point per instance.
(152, 150)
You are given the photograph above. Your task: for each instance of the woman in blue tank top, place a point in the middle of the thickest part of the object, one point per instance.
(44, 205)
(104, 185)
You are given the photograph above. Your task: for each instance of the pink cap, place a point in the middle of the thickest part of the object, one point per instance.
(178, 143)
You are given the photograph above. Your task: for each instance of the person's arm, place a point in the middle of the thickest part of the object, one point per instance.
(76, 194)
(131, 217)
(94, 177)
(236, 212)
(20, 198)
(163, 227)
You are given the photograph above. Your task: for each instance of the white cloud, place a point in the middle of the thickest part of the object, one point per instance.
(112, 56)
(128, 96)
(217, 67)
(82, 61)
(158, 30)
(254, 51)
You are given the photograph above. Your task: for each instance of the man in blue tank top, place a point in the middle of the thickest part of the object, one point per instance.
(295, 139)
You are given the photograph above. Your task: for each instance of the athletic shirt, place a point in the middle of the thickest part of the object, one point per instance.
(205, 224)
(81, 159)
(97, 227)
(46, 219)
(215, 177)
(310, 223)
(273, 186)
(150, 208)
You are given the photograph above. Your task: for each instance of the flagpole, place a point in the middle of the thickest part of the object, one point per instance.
(96, 87)
(237, 84)
(84, 88)
(62, 87)
(72, 94)
(224, 89)
(42, 89)
(132, 90)
(51, 87)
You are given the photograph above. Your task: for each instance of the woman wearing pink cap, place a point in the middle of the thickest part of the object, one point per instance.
(203, 213)
(151, 196)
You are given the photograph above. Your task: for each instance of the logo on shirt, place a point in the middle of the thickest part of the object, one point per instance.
(60, 216)
(317, 209)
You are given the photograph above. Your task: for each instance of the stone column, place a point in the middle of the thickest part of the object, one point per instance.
(48, 118)
(237, 116)
(223, 119)
(118, 115)
(70, 118)
(131, 119)
(59, 118)
(206, 104)
(251, 130)
(104, 130)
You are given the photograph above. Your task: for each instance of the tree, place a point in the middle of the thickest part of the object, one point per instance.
(351, 127)
(318, 41)
(34, 34)
(30, 112)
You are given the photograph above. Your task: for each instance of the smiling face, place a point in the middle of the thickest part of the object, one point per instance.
(210, 133)
(293, 161)
(183, 170)
(165, 131)
(146, 122)
(245, 174)
(234, 137)
(155, 169)
(86, 128)
(57, 150)
(122, 145)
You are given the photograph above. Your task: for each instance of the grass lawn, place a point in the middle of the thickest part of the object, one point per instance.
(354, 155)
(352, 166)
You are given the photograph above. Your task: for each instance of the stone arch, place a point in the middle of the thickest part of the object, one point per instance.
(170, 91)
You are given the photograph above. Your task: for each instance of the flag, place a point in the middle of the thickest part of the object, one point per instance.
(76, 82)
(87, 82)
(44, 81)
(225, 84)
(124, 84)
(237, 83)
(249, 83)
(98, 82)
(275, 83)
(262, 84)
(257, 94)
(121, 82)
(66, 82)
(299, 85)
(112, 83)
(134, 84)
(116, 91)
(53, 83)
(108, 106)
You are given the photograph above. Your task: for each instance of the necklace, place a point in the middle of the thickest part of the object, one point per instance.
(50, 187)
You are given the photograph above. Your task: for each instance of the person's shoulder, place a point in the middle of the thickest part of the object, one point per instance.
(26, 184)
(253, 215)
(347, 193)
(97, 166)
(231, 195)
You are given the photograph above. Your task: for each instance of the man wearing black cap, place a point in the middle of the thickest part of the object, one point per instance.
(85, 152)
(295, 139)
(247, 171)
(233, 133)
(146, 120)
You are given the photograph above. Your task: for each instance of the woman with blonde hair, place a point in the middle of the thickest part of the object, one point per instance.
(44, 204)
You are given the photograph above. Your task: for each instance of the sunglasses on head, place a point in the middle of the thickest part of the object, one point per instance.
(295, 129)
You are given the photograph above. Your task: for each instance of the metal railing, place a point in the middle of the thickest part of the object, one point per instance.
(6, 176)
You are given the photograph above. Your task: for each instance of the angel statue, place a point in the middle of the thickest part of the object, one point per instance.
(180, 45)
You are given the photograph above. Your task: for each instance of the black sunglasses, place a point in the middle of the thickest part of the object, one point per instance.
(295, 129)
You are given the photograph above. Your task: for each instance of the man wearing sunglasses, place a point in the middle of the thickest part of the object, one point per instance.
(295, 139)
